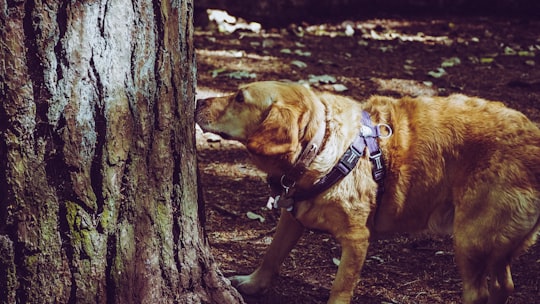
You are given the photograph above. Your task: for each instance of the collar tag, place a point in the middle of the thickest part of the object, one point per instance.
(280, 201)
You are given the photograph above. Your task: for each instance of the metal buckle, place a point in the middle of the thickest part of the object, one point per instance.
(378, 170)
(367, 131)
(349, 159)
(377, 160)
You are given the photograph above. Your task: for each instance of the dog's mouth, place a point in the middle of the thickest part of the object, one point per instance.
(205, 128)
(221, 134)
(224, 135)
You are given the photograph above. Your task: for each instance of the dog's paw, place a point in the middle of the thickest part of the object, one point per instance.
(248, 284)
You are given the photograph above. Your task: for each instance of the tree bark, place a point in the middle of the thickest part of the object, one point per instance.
(98, 179)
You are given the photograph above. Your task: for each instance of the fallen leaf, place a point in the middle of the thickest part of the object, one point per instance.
(377, 258)
(526, 54)
(440, 72)
(349, 31)
(322, 79)
(363, 43)
(254, 216)
(509, 51)
(302, 53)
(216, 72)
(267, 43)
(409, 67)
(325, 62)
(486, 59)
(338, 87)
(375, 36)
(473, 59)
(220, 16)
(387, 48)
(242, 75)
(450, 62)
(299, 64)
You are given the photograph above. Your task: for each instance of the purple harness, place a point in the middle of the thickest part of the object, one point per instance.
(367, 138)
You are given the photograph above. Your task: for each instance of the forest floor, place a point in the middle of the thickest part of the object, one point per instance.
(494, 58)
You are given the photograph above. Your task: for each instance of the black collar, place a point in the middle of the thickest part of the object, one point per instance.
(367, 138)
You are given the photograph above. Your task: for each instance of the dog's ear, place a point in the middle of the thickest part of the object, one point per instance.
(278, 133)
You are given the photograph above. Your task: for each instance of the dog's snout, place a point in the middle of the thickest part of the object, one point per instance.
(202, 111)
(199, 108)
(201, 102)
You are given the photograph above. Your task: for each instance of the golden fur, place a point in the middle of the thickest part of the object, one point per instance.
(455, 164)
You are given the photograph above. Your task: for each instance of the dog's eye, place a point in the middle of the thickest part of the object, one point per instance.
(239, 97)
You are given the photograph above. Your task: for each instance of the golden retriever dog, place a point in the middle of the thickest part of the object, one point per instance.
(456, 164)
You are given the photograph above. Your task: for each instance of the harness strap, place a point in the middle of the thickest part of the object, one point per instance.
(307, 156)
(375, 154)
(367, 138)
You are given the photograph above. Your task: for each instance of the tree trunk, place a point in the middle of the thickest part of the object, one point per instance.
(98, 179)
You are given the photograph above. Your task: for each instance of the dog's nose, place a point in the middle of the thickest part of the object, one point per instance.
(201, 102)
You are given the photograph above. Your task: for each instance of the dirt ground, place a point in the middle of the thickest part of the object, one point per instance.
(494, 58)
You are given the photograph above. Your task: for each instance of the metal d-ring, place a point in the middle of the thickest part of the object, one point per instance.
(388, 130)
(286, 187)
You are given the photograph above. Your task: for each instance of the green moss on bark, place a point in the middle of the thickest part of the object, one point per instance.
(8, 278)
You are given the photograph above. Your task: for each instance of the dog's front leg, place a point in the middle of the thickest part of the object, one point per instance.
(288, 232)
(353, 255)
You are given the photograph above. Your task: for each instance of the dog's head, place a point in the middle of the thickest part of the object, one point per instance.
(269, 117)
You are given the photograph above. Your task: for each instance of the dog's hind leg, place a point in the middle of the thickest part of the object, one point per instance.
(500, 284)
(511, 243)
(475, 288)
(288, 231)
(490, 229)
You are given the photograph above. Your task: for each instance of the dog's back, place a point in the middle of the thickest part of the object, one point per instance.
(473, 164)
